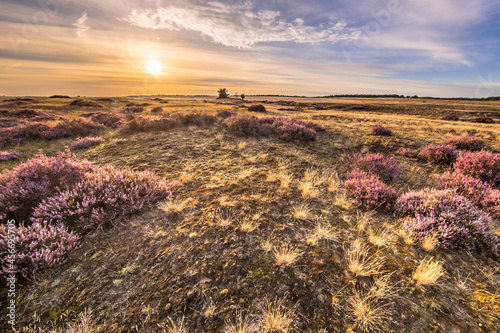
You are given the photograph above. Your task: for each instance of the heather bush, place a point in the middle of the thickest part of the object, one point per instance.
(483, 165)
(27, 184)
(451, 117)
(224, 114)
(257, 108)
(27, 114)
(198, 119)
(79, 126)
(378, 129)
(7, 156)
(102, 197)
(142, 124)
(133, 109)
(451, 218)
(369, 191)
(86, 143)
(157, 109)
(242, 125)
(384, 167)
(483, 120)
(38, 246)
(471, 143)
(85, 103)
(408, 152)
(477, 191)
(289, 130)
(439, 154)
(106, 118)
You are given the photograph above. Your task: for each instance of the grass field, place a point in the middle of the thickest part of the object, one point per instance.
(259, 235)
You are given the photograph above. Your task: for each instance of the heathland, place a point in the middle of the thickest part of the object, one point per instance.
(269, 214)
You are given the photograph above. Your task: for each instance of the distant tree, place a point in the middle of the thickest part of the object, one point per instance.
(242, 96)
(223, 93)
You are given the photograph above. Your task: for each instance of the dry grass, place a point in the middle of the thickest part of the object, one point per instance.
(368, 313)
(322, 231)
(177, 326)
(223, 220)
(249, 225)
(224, 200)
(242, 145)
(428, 272)
(267, 244)
(286, 255)
(285, 180)
(382, 238)
(429, 243)
(242, 325)
(173, 206)
(307, 189)
(301, 212)
(360, 262)
(277, 316)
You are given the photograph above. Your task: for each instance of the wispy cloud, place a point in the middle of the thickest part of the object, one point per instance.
(237, 25)
(80, 25)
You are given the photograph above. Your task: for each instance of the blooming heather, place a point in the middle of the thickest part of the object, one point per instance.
(483, 165)
(471, 143)
(384, 167)
(7, 156)
(408, 152)
(451, 218)
(378, 129)
(452, 117)
(143, 124)
(369, 191)
(86, 143)
(439, 154)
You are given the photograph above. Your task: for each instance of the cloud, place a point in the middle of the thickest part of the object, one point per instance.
(80, 25)
(237, 26)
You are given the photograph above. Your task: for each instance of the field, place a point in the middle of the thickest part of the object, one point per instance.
(260, 232)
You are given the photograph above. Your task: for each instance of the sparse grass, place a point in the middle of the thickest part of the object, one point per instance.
(242, 325)
(360, 262)
(368, 313)
(242, 145)
(248, 225)
(285, 180)
(286, 255)
(224, 200)
(322, 231)
(307, 189)
(267, 244)
(277, 316)
(173, 206)
(382, 238)
(177, 326)
(428, 272)
(301, 212)
(429, 243)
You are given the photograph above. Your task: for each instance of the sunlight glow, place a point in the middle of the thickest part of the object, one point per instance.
(153, 67)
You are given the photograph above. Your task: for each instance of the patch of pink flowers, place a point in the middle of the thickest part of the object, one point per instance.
(378, 129)
(471, 143)
(86, 143)
(369, 191)
(483, 165)
(7, 156)
(439, 154)
(448, 216)
(58, 199)
(408, 152)
(384, 167)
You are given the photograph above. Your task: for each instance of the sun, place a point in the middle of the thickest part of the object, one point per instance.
(153, 67)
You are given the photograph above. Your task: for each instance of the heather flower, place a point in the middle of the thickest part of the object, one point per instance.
(199, 119)
(408, 152)
(369, 191)
(471, 143)
(451, 218)
(386, 168)
(86, 143)
(257, 108)
(106, 118)
(226, 114)
(381, 130)
(483, 165)
(7, 156)
(439, 154)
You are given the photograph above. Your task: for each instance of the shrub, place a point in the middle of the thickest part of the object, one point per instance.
(85, 103)
(448, 217)
(133, 109)
(483, 165)
(101, 198)
(142, 124)
(27, 184)
(451, 117)
(484, 120)
(471, 143)
(293, 131)
(106, 118)
(257, 108)
(38, 246)
(7, 156)
(27, 114)
(369, 191)
(439, 154)
(199, 119)
(408, 152)
(471, 188)
(242, 125)
(157, 109)
(224, 114)
(386, 168)
(381, 130)
(79, 126)
(59, 96)
(86, 143)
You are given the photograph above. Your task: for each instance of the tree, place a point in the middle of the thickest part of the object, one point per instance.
(242, 96)
(223, 93)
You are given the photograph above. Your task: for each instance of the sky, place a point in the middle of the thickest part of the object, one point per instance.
(439, 48)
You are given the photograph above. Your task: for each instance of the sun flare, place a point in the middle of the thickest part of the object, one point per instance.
(153, 67)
